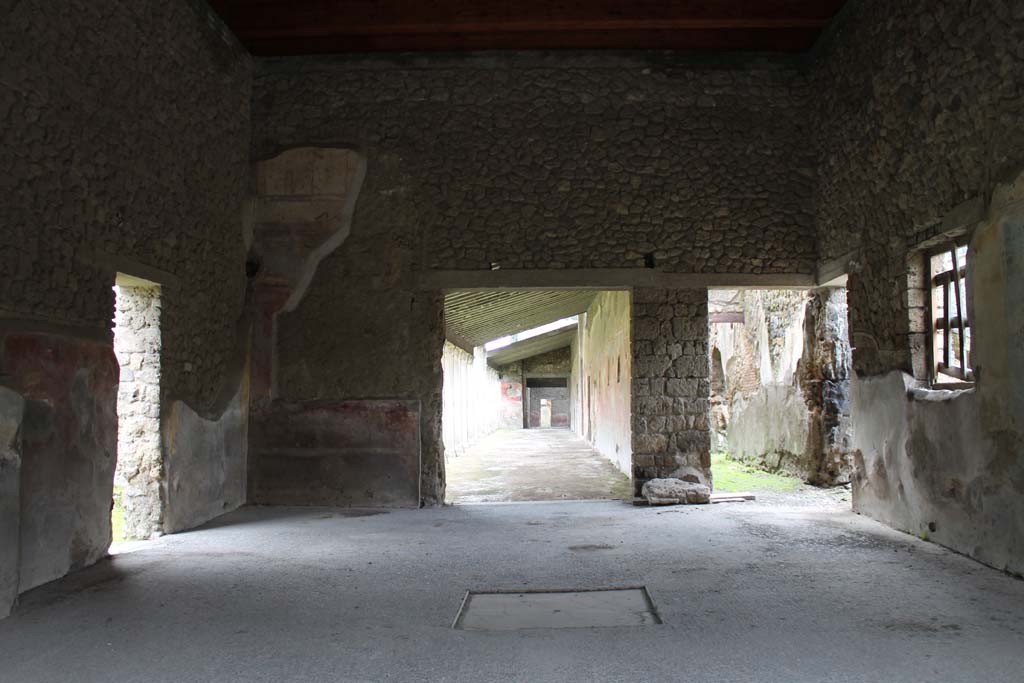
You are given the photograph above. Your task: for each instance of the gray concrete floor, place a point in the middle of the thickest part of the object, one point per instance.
(533, 464)
(781, 589)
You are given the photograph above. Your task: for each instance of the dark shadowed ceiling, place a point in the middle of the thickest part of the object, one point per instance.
(294, 27)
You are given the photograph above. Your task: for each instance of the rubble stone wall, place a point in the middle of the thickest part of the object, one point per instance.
(124, 147)
(919, 111)
(563, 161)
(556, 363)
(123, 135)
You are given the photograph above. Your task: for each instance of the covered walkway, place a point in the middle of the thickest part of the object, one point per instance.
(533, 464)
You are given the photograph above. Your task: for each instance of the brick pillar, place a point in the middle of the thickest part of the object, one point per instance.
(671, 386)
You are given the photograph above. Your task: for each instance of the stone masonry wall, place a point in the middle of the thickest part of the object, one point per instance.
(124, 147)
(919, 110)
(555, 363)
(528, 161)
(124, 129)
(563, 160)
(139, 468)
(671, 385)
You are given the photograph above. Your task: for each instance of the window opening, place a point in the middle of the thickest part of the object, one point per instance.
(951, 326)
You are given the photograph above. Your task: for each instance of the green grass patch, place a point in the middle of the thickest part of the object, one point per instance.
(117, 518)
(732, 476)
(622, 488)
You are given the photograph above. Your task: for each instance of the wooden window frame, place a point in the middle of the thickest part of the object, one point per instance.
(941, 359)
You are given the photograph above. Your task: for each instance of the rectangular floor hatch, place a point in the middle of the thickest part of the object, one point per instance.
(587, 608)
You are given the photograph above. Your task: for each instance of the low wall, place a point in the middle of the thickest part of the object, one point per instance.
(347, 453)
(68, 451)
(205, 462)
(12, 411)
(924, 465)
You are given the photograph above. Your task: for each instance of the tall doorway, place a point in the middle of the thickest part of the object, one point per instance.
(137, 509)
(536, 398)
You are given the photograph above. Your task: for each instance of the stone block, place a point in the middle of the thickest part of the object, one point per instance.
(693, 441)
(647, 295)
(917, 320)
(690, 328)
(675, 492)
(916, 298)
(646, 328)
(644, 460)
(649, 443)
(692, 366)
(679, 387)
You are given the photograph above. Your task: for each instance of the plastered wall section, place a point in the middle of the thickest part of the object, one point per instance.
(603, 357)
(12, 410)
(949, 465)
(919, 116)
(205, 461)
(124, 130)
(513, 394)
(68, 452)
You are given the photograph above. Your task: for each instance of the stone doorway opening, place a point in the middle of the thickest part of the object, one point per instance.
(536, 395)
(138, 503)
(780, 382)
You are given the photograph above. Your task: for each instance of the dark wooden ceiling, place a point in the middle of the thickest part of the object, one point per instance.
(294, 27)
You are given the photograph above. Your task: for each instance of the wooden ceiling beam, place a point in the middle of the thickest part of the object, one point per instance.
(319, 26)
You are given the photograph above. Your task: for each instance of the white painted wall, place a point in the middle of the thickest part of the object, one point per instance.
(471, 399)
(602, 377)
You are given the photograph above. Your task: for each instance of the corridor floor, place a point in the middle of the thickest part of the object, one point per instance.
(533, 465)
(747, 592)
